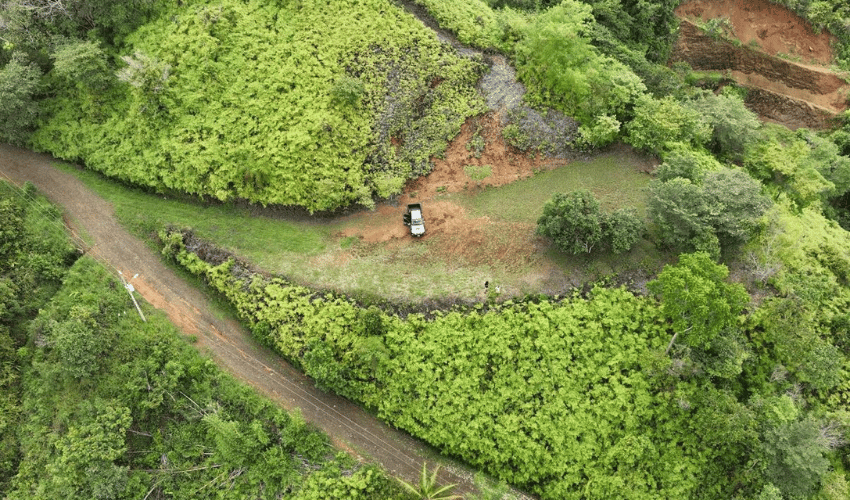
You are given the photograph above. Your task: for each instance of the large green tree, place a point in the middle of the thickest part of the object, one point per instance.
(575, 222)
(19, 83)
(697, 300)
(720, 208)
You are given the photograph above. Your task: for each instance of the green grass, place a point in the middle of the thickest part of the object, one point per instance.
(612, 177)
(257, 238)
(312, 253)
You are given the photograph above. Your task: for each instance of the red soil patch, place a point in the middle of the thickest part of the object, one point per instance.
(463, 238)
(507, 164)
(775, 29)
(795, 93)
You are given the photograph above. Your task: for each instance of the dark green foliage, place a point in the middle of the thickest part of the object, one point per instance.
(33, 24)
(721, 208)
(348, 90)
(19, 82)
(11, 229)
(33, 258)
(795, 451)
(577, 225)
(82, 63)
(734, 126)
(622, 228)
(572, 221)
(153, 417)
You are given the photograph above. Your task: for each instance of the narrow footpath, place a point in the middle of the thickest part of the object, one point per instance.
(92, 220)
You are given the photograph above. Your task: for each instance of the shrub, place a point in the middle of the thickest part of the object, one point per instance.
(576, 224)
(660, 123)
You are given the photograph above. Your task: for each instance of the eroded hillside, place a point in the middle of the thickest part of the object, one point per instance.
(769, 50)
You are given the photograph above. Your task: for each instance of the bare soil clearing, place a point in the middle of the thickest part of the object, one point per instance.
(505, 251)
(779, 57)
(773, 28)
(445, 218)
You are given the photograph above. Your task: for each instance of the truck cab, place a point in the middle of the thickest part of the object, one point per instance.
(413, 218)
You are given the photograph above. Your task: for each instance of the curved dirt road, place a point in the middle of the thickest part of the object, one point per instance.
(350, 427)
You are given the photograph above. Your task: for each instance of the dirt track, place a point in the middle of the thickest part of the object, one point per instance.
(350, 427)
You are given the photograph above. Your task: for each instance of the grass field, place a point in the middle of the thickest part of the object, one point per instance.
(611, 176)
(310, 251)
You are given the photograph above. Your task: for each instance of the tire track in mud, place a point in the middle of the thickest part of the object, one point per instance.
(230, 345)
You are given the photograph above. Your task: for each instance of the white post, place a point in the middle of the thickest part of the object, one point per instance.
(130, 290)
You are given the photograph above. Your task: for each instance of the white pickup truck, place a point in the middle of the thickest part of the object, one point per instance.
(413, 218)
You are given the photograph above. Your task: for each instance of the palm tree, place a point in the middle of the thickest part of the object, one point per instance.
(428, 489)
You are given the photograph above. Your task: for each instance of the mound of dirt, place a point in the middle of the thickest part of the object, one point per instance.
(794, 90)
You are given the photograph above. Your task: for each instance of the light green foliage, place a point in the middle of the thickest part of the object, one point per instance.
(233, 100)
(562, 69)
(685, 162)
(828, 160)
(428, 489)
(697, 300)
(734, 126)
(478, 172)
(19, 82)
(77, 345)
(811, 249)
(547, 396)
(144, 73)
(791, 168)
(84, 465)
(602, 131)
(472, 21)
(724, 208)
(659, 124)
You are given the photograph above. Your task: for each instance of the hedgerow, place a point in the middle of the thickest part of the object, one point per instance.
(318, 105)
(553, 396)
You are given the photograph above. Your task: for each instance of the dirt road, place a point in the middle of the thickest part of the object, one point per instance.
(350, 427)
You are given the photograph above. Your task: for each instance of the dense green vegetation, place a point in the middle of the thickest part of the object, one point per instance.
(555, 396)
(724, 380)
(97, 404)
(254, 101)
(577, 225)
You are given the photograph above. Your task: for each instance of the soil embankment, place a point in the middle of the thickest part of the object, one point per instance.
(769, 50)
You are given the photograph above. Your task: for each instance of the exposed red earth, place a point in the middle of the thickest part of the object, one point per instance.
(778, 56)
